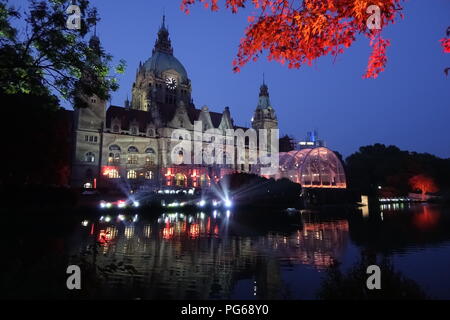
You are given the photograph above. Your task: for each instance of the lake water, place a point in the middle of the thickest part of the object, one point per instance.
(217, 255)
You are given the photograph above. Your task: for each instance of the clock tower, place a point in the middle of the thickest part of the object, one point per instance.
(162, 79)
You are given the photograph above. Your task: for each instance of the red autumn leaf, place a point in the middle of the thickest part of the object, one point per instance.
(445, 42)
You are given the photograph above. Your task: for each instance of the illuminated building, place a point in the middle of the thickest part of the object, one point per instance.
(132, 143)
(316, 167)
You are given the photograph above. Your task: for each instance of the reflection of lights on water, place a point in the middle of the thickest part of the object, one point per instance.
(202, 215)
(381, 215)
(129, 232)
(84, 223)
(215, 214)
(135, 218)
(147, 231)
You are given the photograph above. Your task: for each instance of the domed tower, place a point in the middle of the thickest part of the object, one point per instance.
(162, 79)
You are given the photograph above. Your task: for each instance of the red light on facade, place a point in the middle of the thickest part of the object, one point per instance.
(106, 170)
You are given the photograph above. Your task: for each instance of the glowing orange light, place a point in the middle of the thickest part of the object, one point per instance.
(194, 230)
(168, 231)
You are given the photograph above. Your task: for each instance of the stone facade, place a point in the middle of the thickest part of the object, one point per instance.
(132, 144)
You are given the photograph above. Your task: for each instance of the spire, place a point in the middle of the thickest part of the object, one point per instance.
(163, 43)
(95, 45)
(264, 90)
(263, 101)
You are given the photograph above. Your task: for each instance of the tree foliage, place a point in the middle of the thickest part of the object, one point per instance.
(45, 56)
(298, 32)
(392, 168)
(423, 183)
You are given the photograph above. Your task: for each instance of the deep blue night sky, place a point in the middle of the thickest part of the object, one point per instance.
(408, 105)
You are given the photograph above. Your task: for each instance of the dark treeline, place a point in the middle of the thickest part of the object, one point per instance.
(392, 169)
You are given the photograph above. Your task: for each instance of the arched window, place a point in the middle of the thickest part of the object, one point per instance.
(150, 150)
(89, 157)
(114, 147)
(133, 149)
(131, 174)
(116, 128)
(149, 175)
(151, 132)
(113, 158)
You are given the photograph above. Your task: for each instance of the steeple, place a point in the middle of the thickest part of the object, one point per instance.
(163, 43)
(264, 116)
(264, 101)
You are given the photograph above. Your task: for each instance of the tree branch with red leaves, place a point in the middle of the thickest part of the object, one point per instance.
(297, 32)
(445, 42)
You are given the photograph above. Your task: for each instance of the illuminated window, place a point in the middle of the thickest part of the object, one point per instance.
(89, 157)
(131, 174)
(149, 160)
(87, 185)
(113, 174)
(132, 159)
(111, 158)
(149, 175)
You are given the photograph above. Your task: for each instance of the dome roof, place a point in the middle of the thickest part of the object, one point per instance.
(162, 61)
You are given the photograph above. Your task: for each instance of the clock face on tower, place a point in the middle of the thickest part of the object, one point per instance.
(171, 83)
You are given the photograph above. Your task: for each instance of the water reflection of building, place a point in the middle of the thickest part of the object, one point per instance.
(184, 257)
